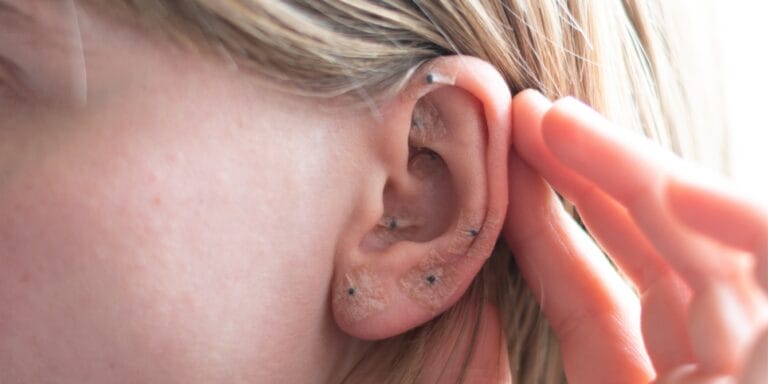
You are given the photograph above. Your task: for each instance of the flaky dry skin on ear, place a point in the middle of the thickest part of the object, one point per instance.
(468, 227)
(427, 126)
(358, 294)
(432, 210)
(432, 282)
(485, 238)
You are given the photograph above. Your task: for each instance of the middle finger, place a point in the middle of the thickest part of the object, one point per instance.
(665, 297)
(634, 171)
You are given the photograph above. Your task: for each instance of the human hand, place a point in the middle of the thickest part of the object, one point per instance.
(695, 251)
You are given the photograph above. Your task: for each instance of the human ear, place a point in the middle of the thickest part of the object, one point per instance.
(433, 204)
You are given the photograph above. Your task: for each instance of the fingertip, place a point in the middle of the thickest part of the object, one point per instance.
(566, 112)
(562, 134)
(533, 96)
(528, 107)
(573, 106)
(560, 120)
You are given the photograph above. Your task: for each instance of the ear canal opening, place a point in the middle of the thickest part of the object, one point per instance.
(424, 209)
(422, 205)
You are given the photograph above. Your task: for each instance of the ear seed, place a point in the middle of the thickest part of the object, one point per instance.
(392, 223)
(358, 295)
(437, 78)
(430, 284)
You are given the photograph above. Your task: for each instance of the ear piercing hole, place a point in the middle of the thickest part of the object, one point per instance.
(351, 291)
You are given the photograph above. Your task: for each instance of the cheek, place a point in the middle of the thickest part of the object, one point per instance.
(160, 246)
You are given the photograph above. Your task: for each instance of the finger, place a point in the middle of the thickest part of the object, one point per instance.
(594, 314)
(702, 202)
(720, 328)
(704, 205)
(633, 171)
(607, 220)
(664, 323)
(623, 164)
(689, 374)
(664, 296)
(756, 370)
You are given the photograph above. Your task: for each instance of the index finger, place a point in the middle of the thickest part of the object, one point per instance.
(593, 312)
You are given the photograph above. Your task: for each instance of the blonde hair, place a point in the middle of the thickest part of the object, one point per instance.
(618, 56)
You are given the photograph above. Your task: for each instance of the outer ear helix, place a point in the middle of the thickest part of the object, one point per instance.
(432, 78)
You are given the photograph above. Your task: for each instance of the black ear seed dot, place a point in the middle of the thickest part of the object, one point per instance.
(351, 291)
(473, 232)
(431, 78)
(431, 279)
(392, 224)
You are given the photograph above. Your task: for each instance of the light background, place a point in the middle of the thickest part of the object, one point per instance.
(742, 27)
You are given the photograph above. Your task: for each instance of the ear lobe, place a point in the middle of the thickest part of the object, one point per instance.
(430, 226)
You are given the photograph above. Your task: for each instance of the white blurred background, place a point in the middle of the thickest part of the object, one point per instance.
(742, 27)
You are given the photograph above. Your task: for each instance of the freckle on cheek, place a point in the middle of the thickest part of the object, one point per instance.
(358, 295)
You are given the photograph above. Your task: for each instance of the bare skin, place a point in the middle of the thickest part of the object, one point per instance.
(144, 233)
(167, 218)
(693, 247)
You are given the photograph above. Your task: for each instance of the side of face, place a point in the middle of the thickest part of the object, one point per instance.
(165, 217)
(176, 225)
